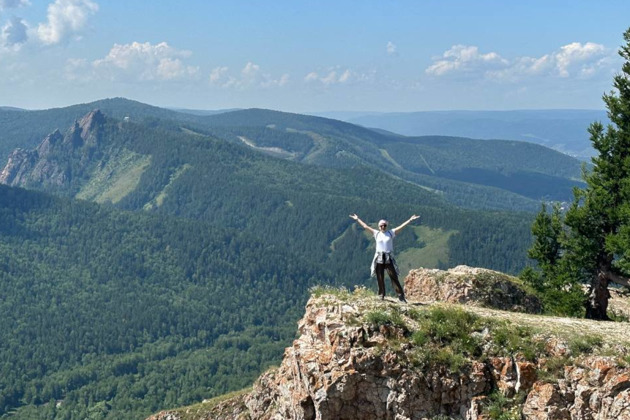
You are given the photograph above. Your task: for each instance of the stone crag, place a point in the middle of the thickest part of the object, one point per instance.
(471, 286)
(346, 364)
(47, 164)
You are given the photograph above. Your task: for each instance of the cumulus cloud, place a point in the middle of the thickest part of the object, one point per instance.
(572, 60)
(336, 76)
(250, 76)
(12, 4)
(14, 33)
(576, 56)
(391, 48)
(463, 58)
(65, 19)
(135, 62)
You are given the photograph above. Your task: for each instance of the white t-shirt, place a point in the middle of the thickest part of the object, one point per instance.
(385, 241)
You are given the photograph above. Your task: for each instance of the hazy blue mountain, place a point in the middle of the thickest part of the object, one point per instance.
(562, 130)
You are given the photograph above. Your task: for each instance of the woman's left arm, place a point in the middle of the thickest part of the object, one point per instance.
(411, 219)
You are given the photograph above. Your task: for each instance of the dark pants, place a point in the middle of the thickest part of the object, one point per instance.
(380, 277)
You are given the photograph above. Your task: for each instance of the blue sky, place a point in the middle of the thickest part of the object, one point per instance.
(307, 56)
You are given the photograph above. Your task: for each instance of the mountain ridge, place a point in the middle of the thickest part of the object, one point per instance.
(332, 143)
(564, 130)
(153, 175)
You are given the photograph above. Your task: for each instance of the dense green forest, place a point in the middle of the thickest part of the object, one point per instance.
(135, 311)
(185, 275)
(114, 314)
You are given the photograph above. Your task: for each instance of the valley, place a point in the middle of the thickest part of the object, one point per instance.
(143, 247)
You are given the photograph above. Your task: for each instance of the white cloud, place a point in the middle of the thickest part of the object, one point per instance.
(14, 33)
(135, 62)
(250, 71)
(66, 18)
(576, 56)
(250, 76)
(218, 75)
(11, 4)
(572, 60)
(330, 78)
(391, 48)
(311, 77)
(463, 58)
(336, 76)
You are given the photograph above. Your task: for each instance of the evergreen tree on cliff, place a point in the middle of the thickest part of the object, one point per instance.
(596, 248)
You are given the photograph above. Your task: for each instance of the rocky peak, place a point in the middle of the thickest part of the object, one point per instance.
(58, 159)
(86, 131)
(358, 357)
(49, 143)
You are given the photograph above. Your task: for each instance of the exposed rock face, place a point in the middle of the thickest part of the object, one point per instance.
(341, 368)
(595, 389)
(20, 163)
(58, 158)
(473, 286)
(337, 372)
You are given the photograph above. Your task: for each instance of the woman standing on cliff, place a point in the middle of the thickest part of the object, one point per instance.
(384, 256)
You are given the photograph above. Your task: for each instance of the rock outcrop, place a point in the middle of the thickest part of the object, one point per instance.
(58, 158)
(472, 286)
(361, 358)
(597, 388)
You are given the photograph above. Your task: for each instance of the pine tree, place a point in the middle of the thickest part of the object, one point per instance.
(556, 281)
(548, 233)
(598, 241)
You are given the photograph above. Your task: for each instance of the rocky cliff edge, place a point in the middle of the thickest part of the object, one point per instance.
(358, 357)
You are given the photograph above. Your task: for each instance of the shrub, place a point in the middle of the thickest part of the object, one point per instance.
(381, 317)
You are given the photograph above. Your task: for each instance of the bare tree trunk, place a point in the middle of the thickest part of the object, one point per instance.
(597, 302)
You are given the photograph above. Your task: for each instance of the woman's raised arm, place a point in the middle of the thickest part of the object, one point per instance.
(411, 219)
(362, 223)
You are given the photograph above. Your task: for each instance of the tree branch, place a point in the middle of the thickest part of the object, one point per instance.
(616, 278)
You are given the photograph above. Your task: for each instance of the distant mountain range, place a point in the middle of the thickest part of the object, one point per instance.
(469, 173)
(204, 111)
(564, 130)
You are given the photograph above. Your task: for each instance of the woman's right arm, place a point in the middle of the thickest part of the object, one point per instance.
(362, 223)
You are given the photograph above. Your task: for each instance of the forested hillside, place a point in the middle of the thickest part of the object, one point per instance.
(106, 310)
(470, 173)
(182, 273)
(479, 174)
(306, 207)
(109, 312)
